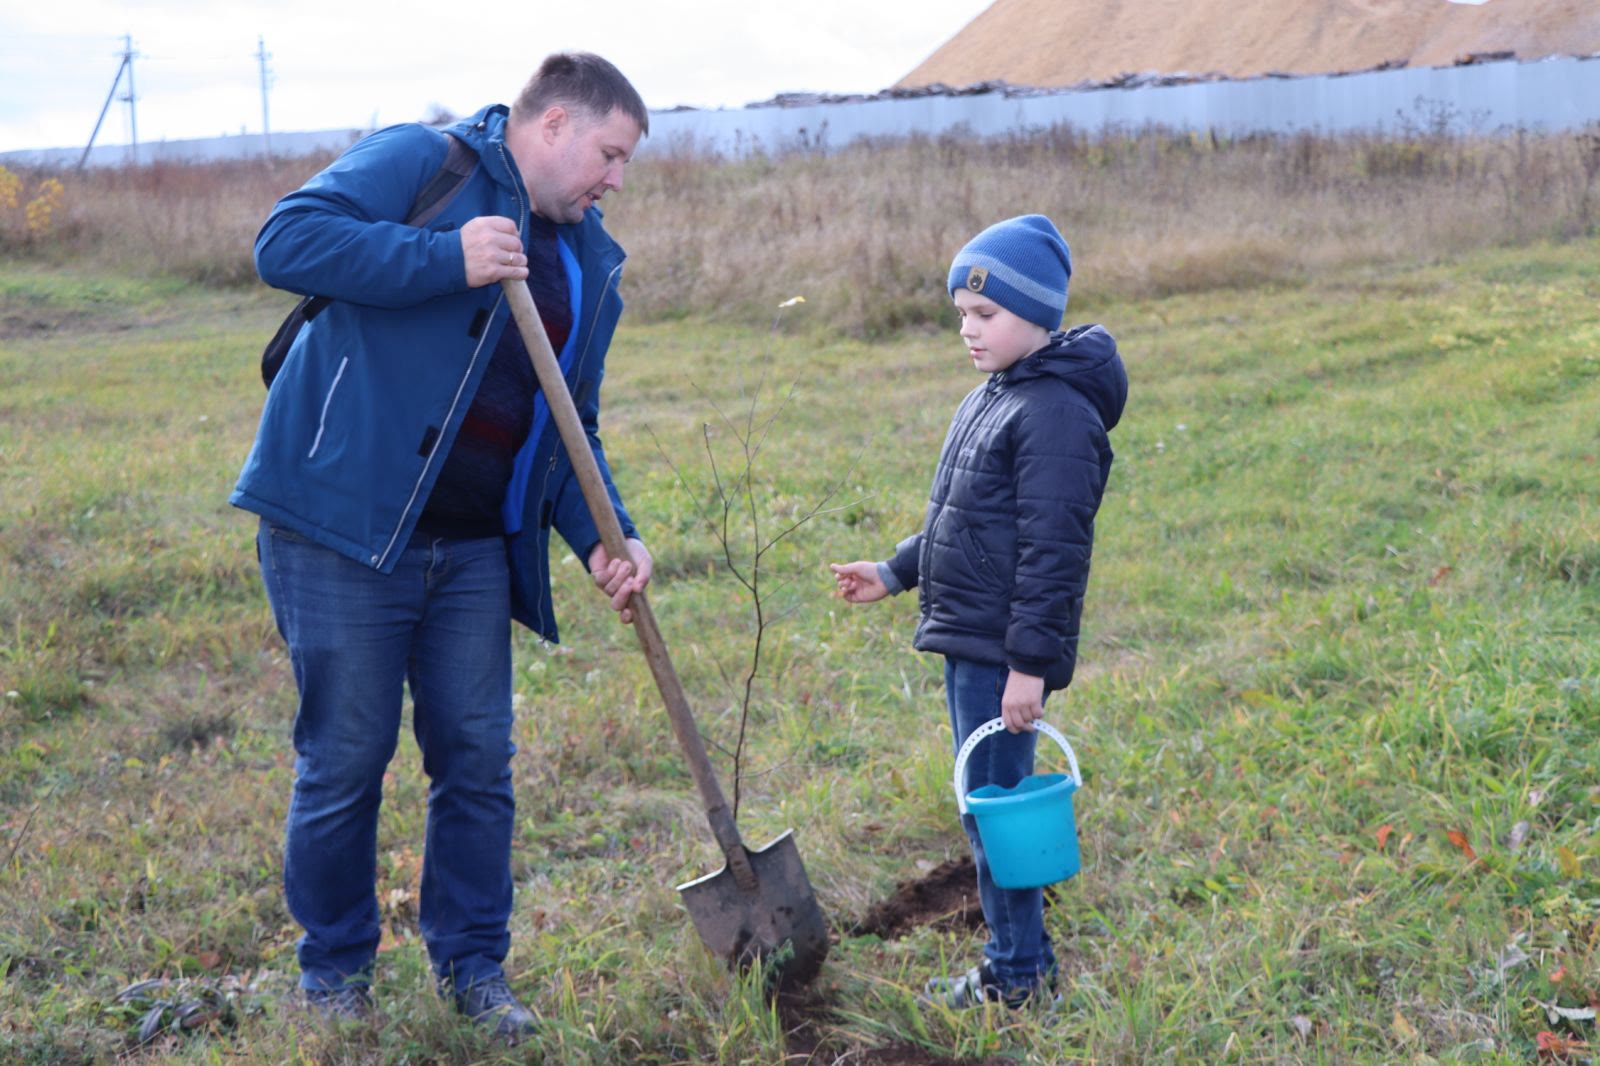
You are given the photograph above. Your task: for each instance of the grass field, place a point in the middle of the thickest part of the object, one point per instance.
(1338, 709)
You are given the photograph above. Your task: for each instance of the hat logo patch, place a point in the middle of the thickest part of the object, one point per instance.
(977, 277)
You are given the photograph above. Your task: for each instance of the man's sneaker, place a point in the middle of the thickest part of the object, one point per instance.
(491, 1002)
(979, 986)
(351, 1003)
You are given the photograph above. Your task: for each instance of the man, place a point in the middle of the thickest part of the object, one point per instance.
(407, 476)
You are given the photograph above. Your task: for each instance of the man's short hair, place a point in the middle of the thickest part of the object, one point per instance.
(583, 82)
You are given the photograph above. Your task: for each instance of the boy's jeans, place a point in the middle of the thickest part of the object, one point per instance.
(1019, 949)
(441, 623)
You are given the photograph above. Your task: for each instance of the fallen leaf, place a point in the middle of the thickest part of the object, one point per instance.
(1403, 1029)
(1555, 1048)
(1511, 957)
(1439, 575)
(1459, 839)
(1383, 835)
(1555, 1012)
(1519, 834)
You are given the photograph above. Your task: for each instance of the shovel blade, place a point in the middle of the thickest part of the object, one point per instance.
(778, 923)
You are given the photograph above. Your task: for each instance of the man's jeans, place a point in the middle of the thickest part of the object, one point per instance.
(441, 622)
(1019, 949)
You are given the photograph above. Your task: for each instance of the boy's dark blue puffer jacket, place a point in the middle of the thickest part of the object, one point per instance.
(1002, 561)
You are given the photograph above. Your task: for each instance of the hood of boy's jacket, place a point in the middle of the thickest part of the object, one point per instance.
(1084, 357)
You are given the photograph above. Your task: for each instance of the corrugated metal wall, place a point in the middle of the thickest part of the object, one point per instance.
(1552, 95)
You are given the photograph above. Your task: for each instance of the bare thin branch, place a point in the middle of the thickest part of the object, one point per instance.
(16, 842)
(688, 489)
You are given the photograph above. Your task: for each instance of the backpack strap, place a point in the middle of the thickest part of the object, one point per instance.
(459, 163)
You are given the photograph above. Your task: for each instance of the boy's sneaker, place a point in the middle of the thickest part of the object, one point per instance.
(979, 986)
(351, 1003)
(491, 1002)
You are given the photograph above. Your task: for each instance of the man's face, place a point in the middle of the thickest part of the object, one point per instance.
(572, 160)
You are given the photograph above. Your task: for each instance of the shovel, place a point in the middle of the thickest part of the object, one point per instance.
(760, 906)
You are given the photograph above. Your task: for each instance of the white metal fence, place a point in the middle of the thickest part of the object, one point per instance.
(1553, 95)
(1556, 94)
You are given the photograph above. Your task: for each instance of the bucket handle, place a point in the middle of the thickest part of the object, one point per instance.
(989, 729)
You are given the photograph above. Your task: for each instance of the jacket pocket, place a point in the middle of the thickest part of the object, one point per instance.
(327, 401)
(980, 560)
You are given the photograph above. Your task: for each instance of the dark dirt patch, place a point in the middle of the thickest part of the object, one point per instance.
(37, 324)
(946, 898)
(47, 321)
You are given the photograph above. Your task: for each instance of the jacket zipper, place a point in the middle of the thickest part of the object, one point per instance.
(550, 467)
(455, 401)
(947, 475)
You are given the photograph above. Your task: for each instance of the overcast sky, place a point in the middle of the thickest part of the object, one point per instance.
(355, 63)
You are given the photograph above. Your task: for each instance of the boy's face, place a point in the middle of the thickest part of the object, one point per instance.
(995, 338)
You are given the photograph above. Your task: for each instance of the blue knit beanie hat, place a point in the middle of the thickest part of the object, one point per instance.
(1023, 264)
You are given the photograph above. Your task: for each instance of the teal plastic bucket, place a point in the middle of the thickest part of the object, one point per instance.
(1028, 831)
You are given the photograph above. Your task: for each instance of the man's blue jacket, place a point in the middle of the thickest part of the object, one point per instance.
(362, 414)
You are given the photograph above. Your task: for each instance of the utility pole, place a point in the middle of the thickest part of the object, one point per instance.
(125, 65)
(133, 114)
(262, 55)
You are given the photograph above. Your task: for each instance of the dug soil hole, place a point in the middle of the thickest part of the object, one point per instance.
(946, 898)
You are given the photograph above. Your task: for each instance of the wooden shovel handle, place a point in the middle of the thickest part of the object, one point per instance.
(576, 440)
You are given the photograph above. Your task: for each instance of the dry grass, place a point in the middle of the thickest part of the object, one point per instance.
(865, 229)
(1147, 215)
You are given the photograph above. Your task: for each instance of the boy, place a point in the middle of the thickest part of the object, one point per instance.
(1002, 561)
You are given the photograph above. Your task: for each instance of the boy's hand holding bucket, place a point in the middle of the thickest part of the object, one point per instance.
(1022, 703)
